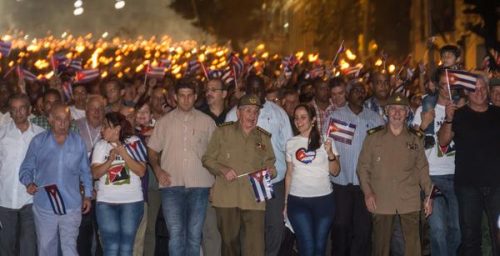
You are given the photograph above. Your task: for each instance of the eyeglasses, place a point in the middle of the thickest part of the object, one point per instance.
(213, 90)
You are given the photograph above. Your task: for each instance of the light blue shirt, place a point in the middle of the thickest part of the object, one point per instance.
(48, 162)
(274, 120)
(349, 153)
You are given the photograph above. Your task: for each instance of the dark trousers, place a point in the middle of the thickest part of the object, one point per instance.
(311, 218)
(88, 237)
(383, 229)
(241, 231)
(274, 222)
(17, 232)
(162, 235)
(351, 232)
(472, 201)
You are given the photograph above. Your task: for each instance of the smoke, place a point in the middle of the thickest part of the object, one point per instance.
(138, 17)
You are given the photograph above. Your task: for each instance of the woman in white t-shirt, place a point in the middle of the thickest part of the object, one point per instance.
(309, 202)
(118, 161)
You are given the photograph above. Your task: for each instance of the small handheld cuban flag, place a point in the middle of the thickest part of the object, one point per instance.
(87, 75)
(155, 72)
(5, 48)
(55, 199)
(75, 64)
(261, 184)
(136, 149)
(341, 131)
(461, 79)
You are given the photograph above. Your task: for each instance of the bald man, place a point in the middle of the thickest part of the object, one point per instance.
(54, 167)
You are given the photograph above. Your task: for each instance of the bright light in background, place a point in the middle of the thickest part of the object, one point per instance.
(78, 11)
(78, 3)
(286, 25)
(119, 4)
(105, 34)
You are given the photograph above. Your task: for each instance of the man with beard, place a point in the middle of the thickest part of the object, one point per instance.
(348, 126)
(379, 83)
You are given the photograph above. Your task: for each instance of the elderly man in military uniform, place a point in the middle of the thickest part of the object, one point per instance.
(392, 170)
(237, 148)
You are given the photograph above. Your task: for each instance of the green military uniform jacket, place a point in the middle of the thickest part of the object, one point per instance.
(395, 168)
(230, 147)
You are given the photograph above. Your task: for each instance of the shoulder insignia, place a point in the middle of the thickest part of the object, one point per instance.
(374, 130)
(264, 131)
(417, 132)
(226, 124)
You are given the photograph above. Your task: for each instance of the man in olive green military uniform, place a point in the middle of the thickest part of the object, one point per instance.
(392, 170)
(238, 148)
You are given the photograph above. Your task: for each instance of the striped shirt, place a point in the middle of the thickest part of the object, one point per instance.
(349, 152)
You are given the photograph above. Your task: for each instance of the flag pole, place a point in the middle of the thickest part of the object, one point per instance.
(235, 77)
(337, 53)
(448, 84)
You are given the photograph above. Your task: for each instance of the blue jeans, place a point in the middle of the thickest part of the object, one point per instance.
(311, 218)
(428, 103)
(443, 222)
(472, 201)
(118, 225)
(184, 212)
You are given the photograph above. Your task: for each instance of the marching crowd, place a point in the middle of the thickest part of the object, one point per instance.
(259, 165)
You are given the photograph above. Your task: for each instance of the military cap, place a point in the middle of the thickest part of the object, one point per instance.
(398, 99)
(249, 99)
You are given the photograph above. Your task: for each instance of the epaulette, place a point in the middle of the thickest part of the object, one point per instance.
(264, 131)
(374, 130)
(417, 132)
(226, 124)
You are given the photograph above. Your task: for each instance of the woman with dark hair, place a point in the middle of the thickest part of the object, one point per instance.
(118, 161)
(309, 202)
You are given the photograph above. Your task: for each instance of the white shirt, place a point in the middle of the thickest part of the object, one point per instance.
(4, 118)
(119, 184)
(441, 160)
(310, 175)
(76, 113)
(13, 147)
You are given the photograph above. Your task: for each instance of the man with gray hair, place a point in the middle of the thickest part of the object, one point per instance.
(17, 235)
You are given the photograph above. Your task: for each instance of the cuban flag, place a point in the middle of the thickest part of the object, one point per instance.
(236, 64)
(24, 74)
(55, 199)
(5, 48)
(352, 71)
(86, 75)
(461, 79)
(193, 67)
(341, 131)
(75, 64)
(137, 150)
(59, 62)
(228, 76)
(289, 63)
(261, 184)
(155, 72)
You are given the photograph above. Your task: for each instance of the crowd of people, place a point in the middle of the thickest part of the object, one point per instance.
(289, 159)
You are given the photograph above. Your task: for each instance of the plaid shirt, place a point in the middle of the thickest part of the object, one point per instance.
(321, 114)
(43, 122)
